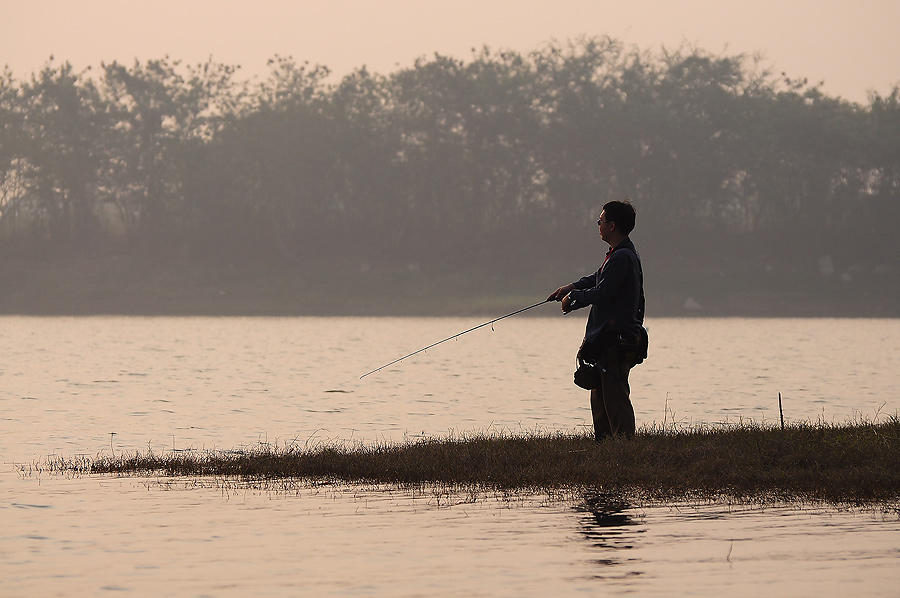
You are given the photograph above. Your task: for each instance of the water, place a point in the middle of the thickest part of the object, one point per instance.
(107, 385)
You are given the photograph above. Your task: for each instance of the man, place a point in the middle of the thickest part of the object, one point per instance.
(615, 325)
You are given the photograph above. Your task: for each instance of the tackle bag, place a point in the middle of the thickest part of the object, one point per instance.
(587, 376)
(632, 350)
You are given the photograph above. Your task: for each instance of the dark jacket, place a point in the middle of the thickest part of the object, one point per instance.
(615, 293)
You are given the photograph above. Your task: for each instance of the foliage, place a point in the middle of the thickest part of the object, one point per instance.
(449, 159)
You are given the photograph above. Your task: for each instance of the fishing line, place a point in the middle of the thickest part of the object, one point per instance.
(518, 311)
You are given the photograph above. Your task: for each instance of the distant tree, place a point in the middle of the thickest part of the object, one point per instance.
(366, 179)
(591, 142)
(880, 179)
(59, 155)
(283, 151)
(11, 124)
(162, 115)
(467, 141)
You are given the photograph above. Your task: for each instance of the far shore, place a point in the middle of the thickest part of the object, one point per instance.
(117, 285)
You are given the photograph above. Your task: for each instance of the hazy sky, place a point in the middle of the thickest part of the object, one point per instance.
(851, 45)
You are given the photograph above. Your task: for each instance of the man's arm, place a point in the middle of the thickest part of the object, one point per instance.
(608, 284)
(584, 282)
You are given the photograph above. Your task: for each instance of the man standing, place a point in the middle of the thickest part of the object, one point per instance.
(613, 334)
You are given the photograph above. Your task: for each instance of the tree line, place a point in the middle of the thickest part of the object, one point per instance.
(501, 154)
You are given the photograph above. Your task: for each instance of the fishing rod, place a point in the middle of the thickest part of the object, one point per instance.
(449, 338)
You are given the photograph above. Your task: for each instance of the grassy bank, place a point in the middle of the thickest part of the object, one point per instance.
(842, 464)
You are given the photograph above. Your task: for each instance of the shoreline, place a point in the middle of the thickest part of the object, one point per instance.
(123, 285)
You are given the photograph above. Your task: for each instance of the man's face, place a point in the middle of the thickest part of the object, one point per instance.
(605, 226)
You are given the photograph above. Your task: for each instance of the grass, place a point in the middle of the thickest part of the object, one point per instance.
(840, 464)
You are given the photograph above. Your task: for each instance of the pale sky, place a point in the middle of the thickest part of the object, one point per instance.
(851, 45)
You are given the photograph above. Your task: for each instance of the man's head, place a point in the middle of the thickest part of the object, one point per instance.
(616, 221)
(622, 213)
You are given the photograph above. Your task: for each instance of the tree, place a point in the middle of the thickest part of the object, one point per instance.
(880, 178)
(60, 157)
(162, 116)
(467, 141)
(11, 158)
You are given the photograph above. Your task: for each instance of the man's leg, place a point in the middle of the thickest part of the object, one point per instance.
(598, 411)
(616, 395)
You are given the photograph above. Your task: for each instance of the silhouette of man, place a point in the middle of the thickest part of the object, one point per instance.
(615, 324)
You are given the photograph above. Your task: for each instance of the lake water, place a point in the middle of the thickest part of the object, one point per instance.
(95, 386)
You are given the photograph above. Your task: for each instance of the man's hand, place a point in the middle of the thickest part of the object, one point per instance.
(560, 293)
(566, 304)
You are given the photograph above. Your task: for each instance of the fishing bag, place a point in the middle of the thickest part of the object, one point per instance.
(587, 375)
(632, 350)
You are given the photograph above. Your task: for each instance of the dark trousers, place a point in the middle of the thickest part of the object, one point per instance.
(611, 406)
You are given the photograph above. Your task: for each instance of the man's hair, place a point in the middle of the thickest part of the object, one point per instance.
(622, 213)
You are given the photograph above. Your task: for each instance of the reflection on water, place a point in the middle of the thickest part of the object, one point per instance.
(611, 527)
(111, 385)
(604, 512)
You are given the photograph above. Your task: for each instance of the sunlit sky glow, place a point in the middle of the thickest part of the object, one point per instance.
(852, 46)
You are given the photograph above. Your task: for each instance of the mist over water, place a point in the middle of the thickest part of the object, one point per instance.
(96, 386)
